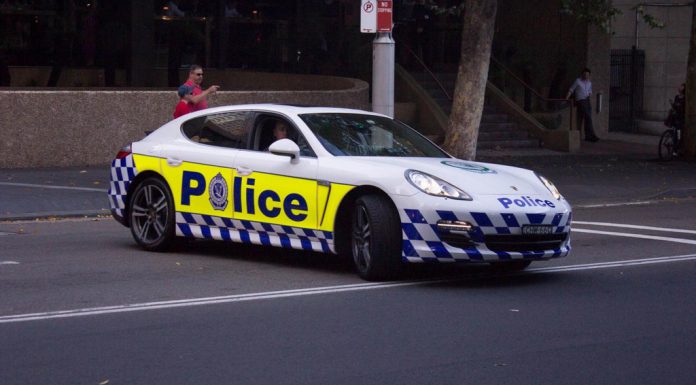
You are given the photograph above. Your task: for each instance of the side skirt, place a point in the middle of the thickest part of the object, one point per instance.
(257, 233)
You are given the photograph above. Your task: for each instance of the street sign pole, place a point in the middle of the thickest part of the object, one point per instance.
(376, 17)
(383, 48)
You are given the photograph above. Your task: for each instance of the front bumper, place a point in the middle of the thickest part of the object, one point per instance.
(495, 235)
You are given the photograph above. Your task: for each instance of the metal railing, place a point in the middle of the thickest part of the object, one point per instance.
(400, 43)
(552, 105)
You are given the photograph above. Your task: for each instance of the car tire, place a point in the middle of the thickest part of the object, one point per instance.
(151, 215)
(376, 238)
(511, 266)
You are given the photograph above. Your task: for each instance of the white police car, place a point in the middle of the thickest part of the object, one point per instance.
(343, 181)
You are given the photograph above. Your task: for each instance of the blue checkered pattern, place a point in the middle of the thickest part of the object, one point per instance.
(242, 231)
(123, 171)
(421, 242)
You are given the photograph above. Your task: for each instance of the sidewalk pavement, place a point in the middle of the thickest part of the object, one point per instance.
(619, 168)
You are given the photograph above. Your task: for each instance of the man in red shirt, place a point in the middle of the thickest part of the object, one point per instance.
(195, 78)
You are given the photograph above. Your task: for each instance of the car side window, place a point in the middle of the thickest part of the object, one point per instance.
(268, 129)
(226, 129)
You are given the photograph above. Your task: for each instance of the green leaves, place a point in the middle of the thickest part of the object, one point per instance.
(598, 12)
(601, 13)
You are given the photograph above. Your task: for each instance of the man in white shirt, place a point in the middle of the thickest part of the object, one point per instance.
(582, 88)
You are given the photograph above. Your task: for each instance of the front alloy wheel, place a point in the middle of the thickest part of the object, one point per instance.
(375, 238)
(152, 215)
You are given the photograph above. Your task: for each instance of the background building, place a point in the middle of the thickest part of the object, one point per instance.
(661, 54)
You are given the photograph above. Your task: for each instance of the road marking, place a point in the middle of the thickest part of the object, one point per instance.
(9, 263)
(600, 205)
(53, 187)
(633, 235)
(310, 291)
(607, 224)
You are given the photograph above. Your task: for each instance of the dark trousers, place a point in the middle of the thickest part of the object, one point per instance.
(585, 115)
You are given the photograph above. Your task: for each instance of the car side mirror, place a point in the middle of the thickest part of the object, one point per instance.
(285, 147)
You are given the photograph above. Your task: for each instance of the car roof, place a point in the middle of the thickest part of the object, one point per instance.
(285, 108)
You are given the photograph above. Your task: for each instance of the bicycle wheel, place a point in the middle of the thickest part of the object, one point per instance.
(666, 147)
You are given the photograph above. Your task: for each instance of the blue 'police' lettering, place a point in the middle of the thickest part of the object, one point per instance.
(269, 202)
(237, 195)
(250, 196)
(188, 190)
(263, 203)
(292, 203)
(526, 201)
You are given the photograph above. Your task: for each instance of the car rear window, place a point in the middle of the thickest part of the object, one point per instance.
(227, 129)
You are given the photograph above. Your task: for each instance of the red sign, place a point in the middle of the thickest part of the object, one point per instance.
(384, 16)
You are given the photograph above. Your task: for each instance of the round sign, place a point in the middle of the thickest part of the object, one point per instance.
(368, 7)
(469, 167)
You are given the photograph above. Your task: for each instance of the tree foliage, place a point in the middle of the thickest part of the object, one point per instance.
(597, 12)
(602, 13)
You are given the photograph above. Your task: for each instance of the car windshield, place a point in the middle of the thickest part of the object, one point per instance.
(368, 135)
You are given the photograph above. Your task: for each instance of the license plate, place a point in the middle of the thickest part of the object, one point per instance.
(537, 229)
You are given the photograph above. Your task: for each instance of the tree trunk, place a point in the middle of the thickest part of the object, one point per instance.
(689, 134)
(477, 38)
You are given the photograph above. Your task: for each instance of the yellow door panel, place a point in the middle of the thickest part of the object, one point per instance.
(259, 197)
(201, 189)
(275, 199)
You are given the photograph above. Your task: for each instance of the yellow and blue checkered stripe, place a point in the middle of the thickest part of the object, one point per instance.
(258, 233)
(123, 171)
(421, 241)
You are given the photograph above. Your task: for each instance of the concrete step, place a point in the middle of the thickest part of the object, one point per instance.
(494, 117)
(503, 135)
(496, 130)
(491, 145)
(498, 127)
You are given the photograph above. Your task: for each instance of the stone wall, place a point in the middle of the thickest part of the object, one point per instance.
(80, 127)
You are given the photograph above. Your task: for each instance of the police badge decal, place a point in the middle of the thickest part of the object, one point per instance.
(218, 192)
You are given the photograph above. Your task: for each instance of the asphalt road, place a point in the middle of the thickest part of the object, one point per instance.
(81, 304)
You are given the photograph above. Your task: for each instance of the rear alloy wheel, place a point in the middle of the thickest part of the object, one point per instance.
(376, 238)
(151, 214)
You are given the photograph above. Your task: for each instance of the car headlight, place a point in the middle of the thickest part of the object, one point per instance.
(435, 186)
(549, 185)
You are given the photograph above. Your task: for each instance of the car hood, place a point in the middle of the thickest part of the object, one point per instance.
(475, 178)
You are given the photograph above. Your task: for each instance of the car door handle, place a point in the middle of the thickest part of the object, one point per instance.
(174, 162)
(243, 171)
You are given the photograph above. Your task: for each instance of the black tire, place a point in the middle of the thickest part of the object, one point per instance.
(511, 266)
(376, 238)
(151, 215)
(666, 147)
